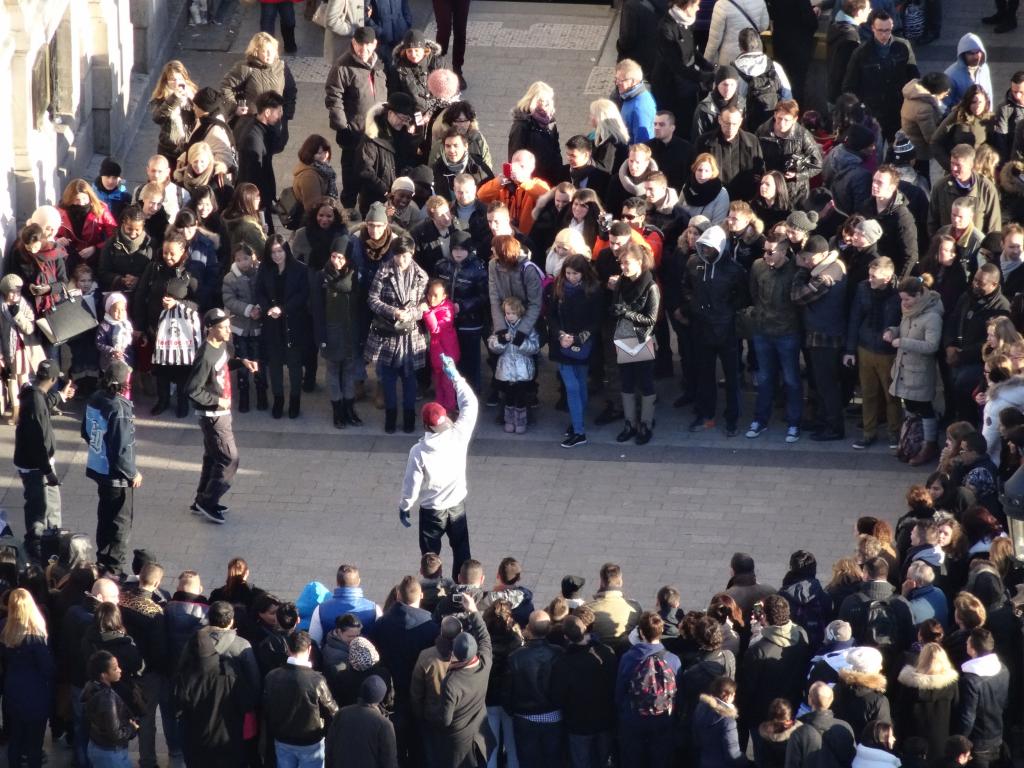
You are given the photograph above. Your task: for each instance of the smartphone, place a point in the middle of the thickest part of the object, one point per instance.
(506, 170)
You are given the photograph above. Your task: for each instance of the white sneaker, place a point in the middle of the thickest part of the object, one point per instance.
(756, 428)
(793, 435)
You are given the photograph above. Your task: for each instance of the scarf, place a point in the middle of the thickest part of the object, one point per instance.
(131, 244)
(120, 331)
(47, 261)
(330, 178)
(377, 249)
(76, 216)
(320, 242)
(701, 194)
(458, 166)
(338, 281)
(543, 119)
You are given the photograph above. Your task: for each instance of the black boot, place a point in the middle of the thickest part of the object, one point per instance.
(278, 410)
(243, 398)
(348, 408)
(408, 421)
(182, 411)
(390, 420)
(288, 33)
(163, 396)
(261, 398)
(338, 414)
(293, 406)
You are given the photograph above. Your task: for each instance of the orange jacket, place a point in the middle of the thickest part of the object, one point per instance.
(520, 199)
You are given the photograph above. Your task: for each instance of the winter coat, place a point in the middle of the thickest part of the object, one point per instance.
(285, 336)
(150, 292)
(21, 347)
(774, 744)
(524, 282)
(810, 606)
(726, 22)
(965, 327)
(107, 716)
(628, 663)
(1004, 394)
(257, 144)
(116, 261)
(444, 175)
(515, 361)
(879, 81)
(774, 666)
(822, 741)
(297, 705)
(740, 161)
(715, 735)
(638, 108)
(1008, 117)
(635, 304)
(841, 40)
(952, 131)
(873, 757)
(308, 186)
(773, 312)
(714, 291)
(406, 77)
(466, 284)
(386, 300)
(636, 38)
(439, 322)
(984, 692)
(578, 314)
(238, 294)
(583, 687)
(924, 705)
(920, 333)
(920, 116)
(1011, 185)
(466, 739)
(390, 19)
(797, 151)
(400, 635)
(527, 683)
(108, 428)
(987, 213)
(872, 312)
(541, 140)
(899, 239)
(615, 616)
(246, 80)
(184, 615)
(679, 71)
(246, 229)
(961, 76)
(213, 128)
(28, 681)
(177, 119)
(847, 175)
(361, 736)
(695, 679)
(860, 698)
(34, 441)
(335, 309)
(352, 89)
(381, 153)
(94, 232)
(824, 305)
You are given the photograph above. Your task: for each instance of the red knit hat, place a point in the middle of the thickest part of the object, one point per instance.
(433, 414)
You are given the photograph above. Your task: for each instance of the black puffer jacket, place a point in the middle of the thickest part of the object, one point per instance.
(297, 705)
(117, 261)
(149, 293)
(714, 290)
(406, 77)
(860, 698)
(381, 153)
(467, 288)
(542, 141)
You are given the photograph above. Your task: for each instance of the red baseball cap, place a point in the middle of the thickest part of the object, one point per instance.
(433, 413)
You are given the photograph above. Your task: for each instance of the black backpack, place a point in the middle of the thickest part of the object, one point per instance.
(762, 95)
(881, 625)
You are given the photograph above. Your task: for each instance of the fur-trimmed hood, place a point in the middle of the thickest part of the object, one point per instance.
(911, 678)
(718, 706)
(874, 681)
(1011, 178)
(769, 734)
(373, 117)
(433, 50)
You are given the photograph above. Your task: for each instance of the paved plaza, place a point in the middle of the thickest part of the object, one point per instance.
(309, 497)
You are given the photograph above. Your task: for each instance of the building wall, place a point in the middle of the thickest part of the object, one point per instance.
(104, 56)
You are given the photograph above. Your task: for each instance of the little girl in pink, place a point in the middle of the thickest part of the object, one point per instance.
(439, 318)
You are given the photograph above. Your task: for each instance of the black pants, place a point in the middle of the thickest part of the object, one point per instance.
(435, 523)
(446, 12)
(516, 394)
(42, 509)
(114, 515)
(539, 745)
(349, 179)
(826, 371)
(707, 379)
(220, 460)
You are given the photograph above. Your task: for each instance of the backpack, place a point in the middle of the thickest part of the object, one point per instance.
(652, 689)
(762, 95)
(913, 21)
(911, 438)
(881, 627)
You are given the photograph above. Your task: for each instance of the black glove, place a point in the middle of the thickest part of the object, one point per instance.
(51, 478)
(519, 338)
(403, 515)
(502, 337)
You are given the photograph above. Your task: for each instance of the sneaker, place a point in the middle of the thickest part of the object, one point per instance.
(194, 509)
(222, 509)
(793, 435)
(863, 443)
(573, 440)
(756, 428)
(894, 443)
(700, 424)
(213, 515)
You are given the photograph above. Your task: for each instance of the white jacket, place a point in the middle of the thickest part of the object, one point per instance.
(1005, 394)
(726, 22)
(436, 471)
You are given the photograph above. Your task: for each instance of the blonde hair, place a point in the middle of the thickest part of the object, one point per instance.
(23, 619)
(513, 304)
(535, 93)
(199, 148)
(608, 122)
(1006, 334)
(969, 610)
(845, 571)
(77, 187)
(259, 41)
(986, 158)
(934, 660)
(163, 88)
(573, 240)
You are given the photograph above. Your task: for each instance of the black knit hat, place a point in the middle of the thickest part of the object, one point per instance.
(859, 137)
(110, 167)
(727, 72)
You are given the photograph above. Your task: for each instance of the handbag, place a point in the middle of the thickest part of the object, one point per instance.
(629, 349)
(65, 320)
(388, 327)
(320, 15)
(578, 352)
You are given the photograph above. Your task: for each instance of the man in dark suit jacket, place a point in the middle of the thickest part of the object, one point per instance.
(254, 138)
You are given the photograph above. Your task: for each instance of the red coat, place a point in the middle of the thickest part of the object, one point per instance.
(96, 230)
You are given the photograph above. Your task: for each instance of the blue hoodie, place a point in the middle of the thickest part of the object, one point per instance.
(961, 76)
(627, 666)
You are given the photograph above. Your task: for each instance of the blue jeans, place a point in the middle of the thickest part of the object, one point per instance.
(575, 377)
(292, 756)
(539, 745)
(389, 378)
(81, 728)
(501, 726)
(269, 13)
(109, 758)
(775, 353)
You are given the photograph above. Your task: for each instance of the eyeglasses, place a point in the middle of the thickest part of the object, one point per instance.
(462, 120)
(629, 217)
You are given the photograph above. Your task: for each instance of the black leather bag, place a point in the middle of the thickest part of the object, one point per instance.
(65, 320)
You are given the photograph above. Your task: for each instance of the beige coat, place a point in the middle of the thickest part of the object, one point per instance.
(614, 616)
(919, 117)
(914, 370)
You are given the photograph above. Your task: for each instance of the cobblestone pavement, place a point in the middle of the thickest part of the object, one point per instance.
(309, 497)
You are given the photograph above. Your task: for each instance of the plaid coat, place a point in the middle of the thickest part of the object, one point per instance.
(385, 301)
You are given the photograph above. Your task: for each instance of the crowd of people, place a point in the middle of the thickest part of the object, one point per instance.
(820, 252)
